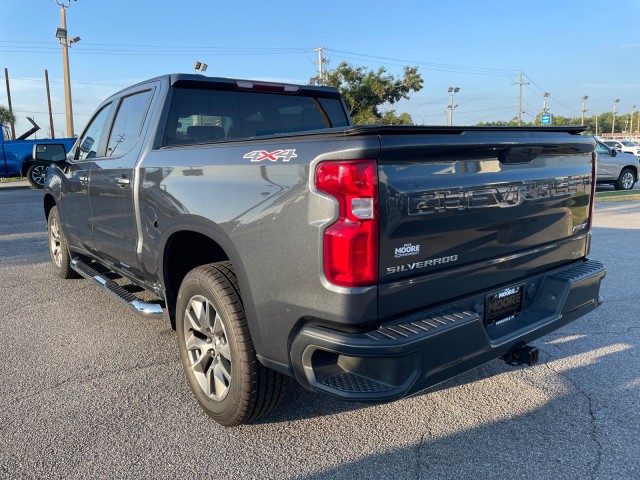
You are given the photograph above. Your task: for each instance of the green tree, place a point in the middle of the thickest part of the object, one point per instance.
(6, 117)
(623, 123)
(502, 123)
(366, 91)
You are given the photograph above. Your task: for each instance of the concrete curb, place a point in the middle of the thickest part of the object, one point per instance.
(618, 198)
(15, 185)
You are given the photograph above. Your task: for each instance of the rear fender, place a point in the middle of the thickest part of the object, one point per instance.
(213, 231)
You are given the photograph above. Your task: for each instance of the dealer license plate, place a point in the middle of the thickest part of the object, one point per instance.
(503, 305)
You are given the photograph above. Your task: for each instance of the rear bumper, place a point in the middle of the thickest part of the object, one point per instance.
(413, 353)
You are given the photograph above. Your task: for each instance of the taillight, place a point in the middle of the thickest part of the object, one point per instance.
(594, 173)
(351, 243)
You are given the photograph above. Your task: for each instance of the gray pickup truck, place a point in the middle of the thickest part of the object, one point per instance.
(366, 262)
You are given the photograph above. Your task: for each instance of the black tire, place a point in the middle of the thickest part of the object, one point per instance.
(211, 326)
(626, 180)
(58, 247)
(37, 175)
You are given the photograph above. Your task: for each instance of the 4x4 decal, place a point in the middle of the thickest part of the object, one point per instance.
(260, 155)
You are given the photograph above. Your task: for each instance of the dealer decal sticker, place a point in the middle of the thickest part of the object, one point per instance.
(260, 155)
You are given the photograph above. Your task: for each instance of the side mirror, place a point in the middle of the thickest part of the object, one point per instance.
(87, 144)
(614, 152)
(49, 152)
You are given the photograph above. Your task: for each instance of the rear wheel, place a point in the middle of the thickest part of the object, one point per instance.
(216, 350)
(37, 175)
(626, 180)
(58, 248)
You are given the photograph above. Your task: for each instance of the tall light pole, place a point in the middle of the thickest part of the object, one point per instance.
(633, 107)
(61, 34)
(584, 102)
(613, 121)
(597, 116)
(544, 102)
(452, 91)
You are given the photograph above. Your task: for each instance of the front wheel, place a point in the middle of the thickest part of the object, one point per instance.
(216, 350)
(37, 175)
(58, 248)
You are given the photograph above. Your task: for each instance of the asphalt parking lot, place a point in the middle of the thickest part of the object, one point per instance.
(88, 390)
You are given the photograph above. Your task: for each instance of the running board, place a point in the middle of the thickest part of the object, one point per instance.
(112, 288)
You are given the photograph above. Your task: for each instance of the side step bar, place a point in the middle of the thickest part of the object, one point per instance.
(112, 288)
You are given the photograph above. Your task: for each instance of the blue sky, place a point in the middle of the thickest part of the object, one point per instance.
(567, 48)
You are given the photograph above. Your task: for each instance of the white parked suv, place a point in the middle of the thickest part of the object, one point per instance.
(624, 146)
(620, 169)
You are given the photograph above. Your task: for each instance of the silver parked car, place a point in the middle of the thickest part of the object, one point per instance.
(619, 168)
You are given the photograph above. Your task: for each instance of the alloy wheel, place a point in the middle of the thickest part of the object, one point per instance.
(55, 242)
(207, 347)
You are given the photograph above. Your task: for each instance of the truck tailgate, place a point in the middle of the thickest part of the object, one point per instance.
(472, 210)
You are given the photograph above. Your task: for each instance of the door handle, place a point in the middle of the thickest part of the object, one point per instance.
(83, 179)
(122, 181)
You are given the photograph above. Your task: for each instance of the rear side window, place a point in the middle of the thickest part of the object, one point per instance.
(128, 123)
(211, 115)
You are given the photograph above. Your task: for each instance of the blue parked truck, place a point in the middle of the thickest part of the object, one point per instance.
(16, 159)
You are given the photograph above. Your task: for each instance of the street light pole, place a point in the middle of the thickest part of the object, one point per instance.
(631, 126)
(613, 121)
(452, 91)
(584, 101)
(544, 102)
(65, 67)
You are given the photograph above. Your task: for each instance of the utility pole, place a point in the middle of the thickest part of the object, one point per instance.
(452, 91)
(584, 100)
(597, 115)
(13, 128)
(613, 121)
(67, 76)
(320, 65)
(631, 126)
(521, 83)
(61, 34)
(46, 81)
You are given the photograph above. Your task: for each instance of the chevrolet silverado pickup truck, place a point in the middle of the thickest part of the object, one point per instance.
(366, 262)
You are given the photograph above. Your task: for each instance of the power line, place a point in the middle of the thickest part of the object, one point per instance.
(199, 47)
(486, 117)
(568, 109)
(435, 66)
(54, 113)
(26, 79)
(485, 109)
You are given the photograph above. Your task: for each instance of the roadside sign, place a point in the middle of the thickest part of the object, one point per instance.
(546, 119)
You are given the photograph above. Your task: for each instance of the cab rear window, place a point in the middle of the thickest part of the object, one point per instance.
(199, 115)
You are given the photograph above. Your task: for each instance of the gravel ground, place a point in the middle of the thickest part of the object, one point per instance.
(88, 390)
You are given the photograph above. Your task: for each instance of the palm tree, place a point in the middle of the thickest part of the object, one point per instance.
(6, 116)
